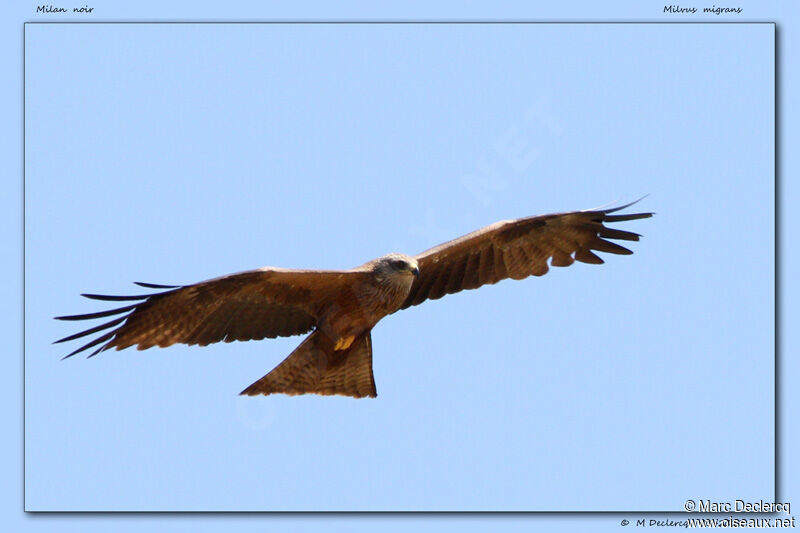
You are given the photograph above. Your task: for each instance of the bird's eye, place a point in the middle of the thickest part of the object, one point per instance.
(399, 264)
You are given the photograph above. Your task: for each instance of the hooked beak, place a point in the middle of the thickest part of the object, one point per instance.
(415, 271)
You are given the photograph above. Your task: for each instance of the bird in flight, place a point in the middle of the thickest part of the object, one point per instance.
(340, 307)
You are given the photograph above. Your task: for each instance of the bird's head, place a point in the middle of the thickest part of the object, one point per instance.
(396, 264)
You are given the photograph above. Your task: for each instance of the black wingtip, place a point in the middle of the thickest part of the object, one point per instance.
(604, 215)
(97, 351)
(141, 299)
(71, 354)
(155, 285)
(107, 298)
(621, 207)
(95, 329)
(95, 342)
(622, 218)
(100, 314)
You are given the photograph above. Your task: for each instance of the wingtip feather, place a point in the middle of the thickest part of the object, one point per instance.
(622, 218)
(620, 208)
(108, 298)
(155, 285)
(101, 314)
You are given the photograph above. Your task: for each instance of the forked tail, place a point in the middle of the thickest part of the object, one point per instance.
(315, 367)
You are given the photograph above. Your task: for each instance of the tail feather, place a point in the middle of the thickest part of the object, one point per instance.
(315, 367)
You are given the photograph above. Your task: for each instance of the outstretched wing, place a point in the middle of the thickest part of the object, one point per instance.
(517, 249)
(267, 302)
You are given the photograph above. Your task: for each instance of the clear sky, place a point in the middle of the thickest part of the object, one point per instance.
(177, 153)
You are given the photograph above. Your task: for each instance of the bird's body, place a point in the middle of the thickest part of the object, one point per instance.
(340, 308)
(379, 293)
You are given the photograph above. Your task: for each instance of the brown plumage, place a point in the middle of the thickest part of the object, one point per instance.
(342, 306)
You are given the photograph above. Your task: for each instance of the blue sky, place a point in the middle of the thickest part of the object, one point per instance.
(176, 153)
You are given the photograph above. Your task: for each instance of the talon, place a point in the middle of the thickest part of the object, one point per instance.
(344, 342)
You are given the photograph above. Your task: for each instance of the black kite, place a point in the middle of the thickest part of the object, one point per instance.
(340, 307)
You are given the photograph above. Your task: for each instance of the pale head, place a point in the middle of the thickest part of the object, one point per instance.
(395, 264)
